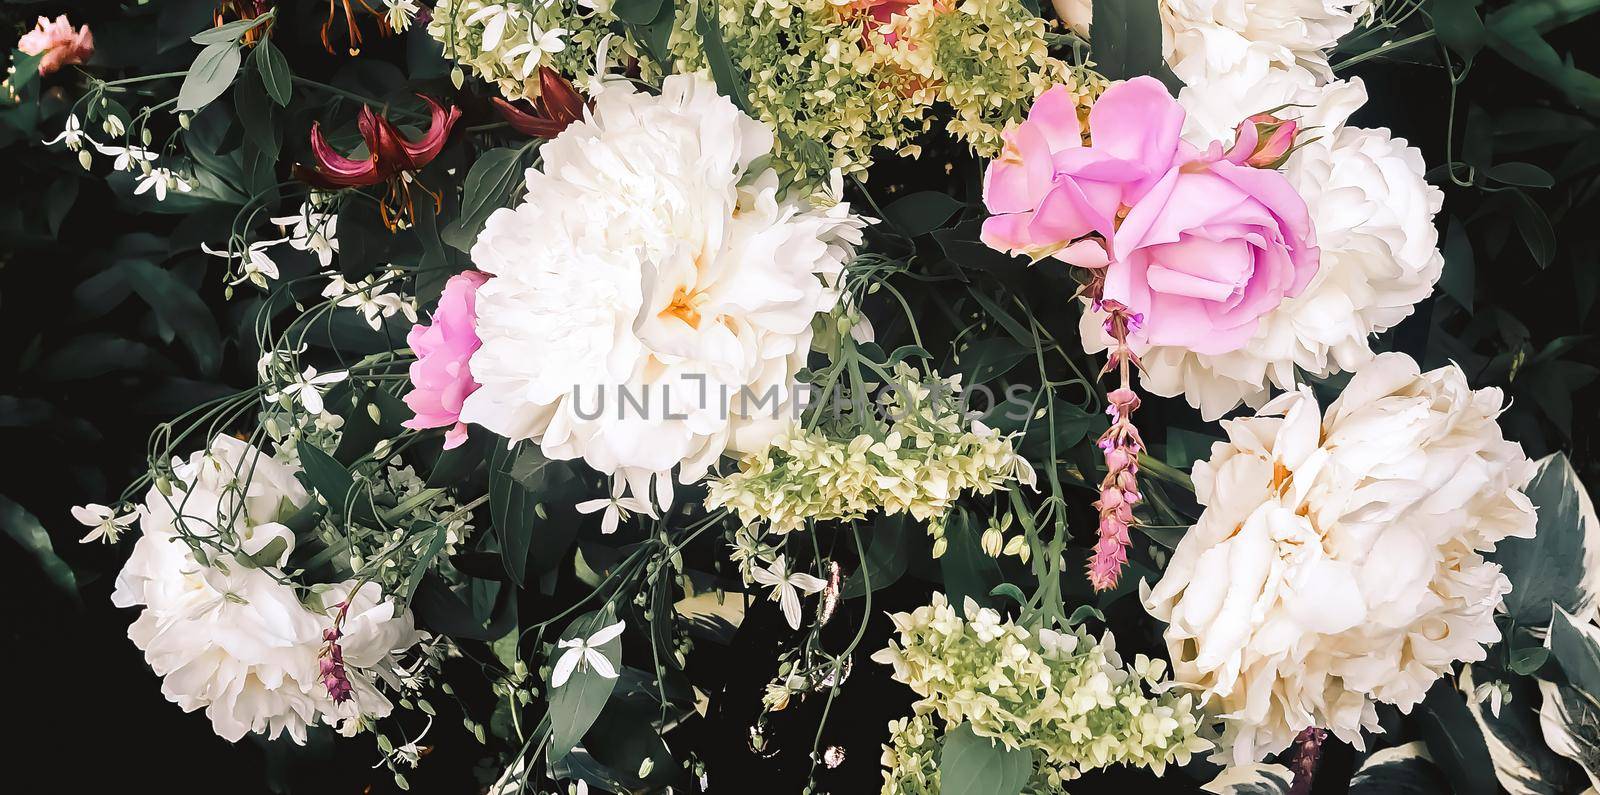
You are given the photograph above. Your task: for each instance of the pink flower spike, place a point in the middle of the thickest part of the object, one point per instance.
(60, 44)
(442, 377)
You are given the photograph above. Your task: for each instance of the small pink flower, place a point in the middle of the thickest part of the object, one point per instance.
(441, 376)
(61, 45)
(1199, 246)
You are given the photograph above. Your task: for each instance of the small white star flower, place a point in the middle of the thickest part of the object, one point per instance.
(787, 587)
(72, 135)
(308, 387)
(617, 507)
(108, 526)
(585, 653)
(256, 267)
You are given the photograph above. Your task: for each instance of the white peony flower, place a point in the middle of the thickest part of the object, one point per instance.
(652, 297)
(237, 641)
(1337, 562)
(1372, 211)
(1290, 32)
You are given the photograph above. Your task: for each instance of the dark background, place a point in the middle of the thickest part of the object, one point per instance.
(87, 714)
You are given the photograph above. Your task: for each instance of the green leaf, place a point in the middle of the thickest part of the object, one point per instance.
(1560, 564)
(1576, 646)
(1455, 741)
(966, 568)
(921, 212)
(329, 478)
(1459, 266)
(1522, 762)
(25, 529)
(1125, 41)
(1399, 770)
(1015, 594)
(638, 12)
(986, 360)
(1259, 778)
(436, 541)
(886, 557)
(1526, 175)
(1535, 227)
(274, 70)
(511, 507)
(1458, 26)
(973, 765)
(229, 33)
(1569, 720)
(211, 73)
(730, 83)
(178, 306)
(576, 704)
(488, 187)
(255, 111)
(1528, 660)
(265, 557)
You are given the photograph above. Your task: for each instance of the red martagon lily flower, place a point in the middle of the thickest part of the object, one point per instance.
(390, 158)
(557, 106)
(389, 153)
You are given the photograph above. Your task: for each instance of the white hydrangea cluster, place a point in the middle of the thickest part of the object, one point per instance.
(1337, 563)
(219, 622)
(505, 43)
(920, 461)
(1065, 696)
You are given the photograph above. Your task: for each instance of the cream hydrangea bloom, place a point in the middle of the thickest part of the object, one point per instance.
(235, 640)
(1337, 563)
(1372, 211)
(1065, 696)
(652, 297)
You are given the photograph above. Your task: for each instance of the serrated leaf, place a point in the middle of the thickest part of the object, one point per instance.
(211, 73)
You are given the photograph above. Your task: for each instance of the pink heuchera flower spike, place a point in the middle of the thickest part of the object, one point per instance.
(441, 377)
(61, 45)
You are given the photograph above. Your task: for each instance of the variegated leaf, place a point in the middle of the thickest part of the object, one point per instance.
(1402, 769)
(1570, 721)
(1561, 563)
(1523, 763)
(1257, 779)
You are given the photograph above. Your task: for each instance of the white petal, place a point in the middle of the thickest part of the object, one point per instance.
(600, 664)
(607, 634)
(564, 666)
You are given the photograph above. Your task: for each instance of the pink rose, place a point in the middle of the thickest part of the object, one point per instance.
(1199, 245)
(441, 377)
(61, 45)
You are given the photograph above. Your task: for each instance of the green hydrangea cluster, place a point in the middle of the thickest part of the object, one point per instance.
(1064, 695)
(985, 59)
(525, 34)
(836, 82)
(918, 458)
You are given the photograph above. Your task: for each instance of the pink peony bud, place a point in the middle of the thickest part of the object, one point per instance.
(60, 44)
